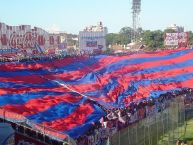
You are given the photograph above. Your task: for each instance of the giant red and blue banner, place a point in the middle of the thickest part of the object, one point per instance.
(59, 94)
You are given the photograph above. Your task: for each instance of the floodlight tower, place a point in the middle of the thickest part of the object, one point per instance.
(136, 9)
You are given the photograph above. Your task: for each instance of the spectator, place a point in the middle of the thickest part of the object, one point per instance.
(178, 142)
(185, 142)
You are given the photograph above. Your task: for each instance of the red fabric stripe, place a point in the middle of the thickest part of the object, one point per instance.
(77, 118)
(141, 66)
(103, 63)
(112, 95)
(66, 61)
(41, 104)
(123, 81)
(56, 63)
(79, 88)
(79, 73)
(29, 89)
(144, 91)
(35, 79)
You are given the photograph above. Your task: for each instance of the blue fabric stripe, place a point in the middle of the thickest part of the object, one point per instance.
(75, 65)
(82, 129)
(47, 84)
(118, 65)
(156, 94)
(163, 68)
(63, 109)
(55, 112)
(23, 98)
(146, 82)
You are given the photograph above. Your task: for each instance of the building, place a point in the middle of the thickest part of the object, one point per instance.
(17, 41)
(177, 38)
(92, 39)
(176, 28)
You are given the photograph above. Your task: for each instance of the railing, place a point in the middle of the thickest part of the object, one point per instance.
(21, 121)
(163, 128)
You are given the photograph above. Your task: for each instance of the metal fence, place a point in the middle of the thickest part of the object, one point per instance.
(163, 128)
(22, 125)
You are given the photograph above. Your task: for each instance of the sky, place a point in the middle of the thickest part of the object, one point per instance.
(71, 16)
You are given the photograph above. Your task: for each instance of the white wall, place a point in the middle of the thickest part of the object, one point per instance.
(85, 37)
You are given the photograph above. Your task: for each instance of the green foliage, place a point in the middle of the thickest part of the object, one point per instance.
(169, 31)
(113, 38)
(153, 39)
(123, 37)
(191, 37)
(126, 30)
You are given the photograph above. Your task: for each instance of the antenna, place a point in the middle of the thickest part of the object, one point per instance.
(136, 9)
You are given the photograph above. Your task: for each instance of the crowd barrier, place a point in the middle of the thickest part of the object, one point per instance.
(22, 124)
(10, 116)
(157, 129)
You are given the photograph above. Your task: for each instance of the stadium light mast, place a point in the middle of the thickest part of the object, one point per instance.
(136, 9)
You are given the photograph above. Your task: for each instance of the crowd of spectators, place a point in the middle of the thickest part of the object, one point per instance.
(181, 142)
(29, 59)
(120, 118)
(55, 57)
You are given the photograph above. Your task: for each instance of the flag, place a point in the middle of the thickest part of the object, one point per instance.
(63, 94)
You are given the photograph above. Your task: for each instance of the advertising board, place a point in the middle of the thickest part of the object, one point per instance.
(177, 39)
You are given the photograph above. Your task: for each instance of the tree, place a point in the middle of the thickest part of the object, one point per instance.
(126, 30)
(169, 31)
(123, 37)
(153, 39)
(190, 38)
(111, 39)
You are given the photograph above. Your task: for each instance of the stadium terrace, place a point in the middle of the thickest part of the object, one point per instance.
(89, 98)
